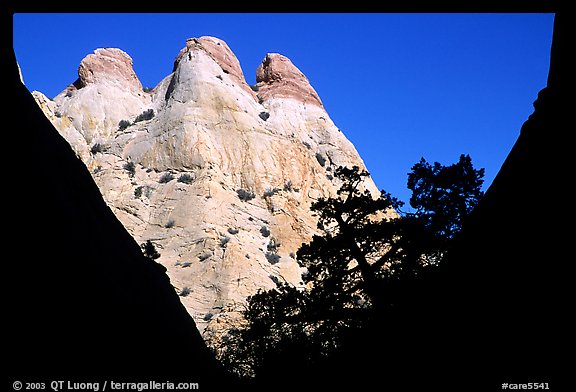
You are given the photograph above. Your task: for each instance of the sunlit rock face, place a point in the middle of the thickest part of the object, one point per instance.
(219, 175)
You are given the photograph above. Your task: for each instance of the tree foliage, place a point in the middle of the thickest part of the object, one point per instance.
(368, 248)
(149, 250)
(444, 195)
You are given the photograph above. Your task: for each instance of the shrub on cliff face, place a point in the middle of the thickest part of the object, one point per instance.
(149, 250)
(273, 245)
(272, 257)
(97, 147)
(269, 192)
(130, 167)
(186, 178)
(145, 115)
(185, 292)
(204, 256)
(264, 231)
(224, 241)
(166, 178)
(245, 195)
(142, 190)
(123, 124)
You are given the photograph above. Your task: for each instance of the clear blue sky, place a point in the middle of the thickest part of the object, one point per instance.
(400, 86)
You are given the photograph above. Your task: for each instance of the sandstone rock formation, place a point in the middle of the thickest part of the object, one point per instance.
(219, 175)
(82, 301)
(277, 77)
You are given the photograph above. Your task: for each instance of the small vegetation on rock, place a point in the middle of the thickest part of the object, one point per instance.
(245, 195)
(186, 178)
(123, 124)
(145, 115)
(130, 167)
(273, 245)
(272, 257)
(224, 241)
(166, 178)
(204, 256)
(265, 231)
(142, 190)
(96, 148)
(270, 192)
(185, 292)
(149, 250)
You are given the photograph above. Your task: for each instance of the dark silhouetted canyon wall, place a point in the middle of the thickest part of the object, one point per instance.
(81, 299)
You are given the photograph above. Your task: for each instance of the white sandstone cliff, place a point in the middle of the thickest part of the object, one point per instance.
(222, 141)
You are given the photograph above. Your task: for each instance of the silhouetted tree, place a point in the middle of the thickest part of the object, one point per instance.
(149, 250)
(444, 195)
(368, 248)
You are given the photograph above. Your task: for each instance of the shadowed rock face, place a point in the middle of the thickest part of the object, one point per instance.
(509, 264)
(82, 300)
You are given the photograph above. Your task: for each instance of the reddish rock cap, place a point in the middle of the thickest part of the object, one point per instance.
(107, 64)
(221, 53)
(277, 77)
